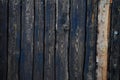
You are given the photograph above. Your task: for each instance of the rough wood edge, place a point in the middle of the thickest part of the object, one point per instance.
(102, 41)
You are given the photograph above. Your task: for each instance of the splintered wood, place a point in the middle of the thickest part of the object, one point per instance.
(102, 40)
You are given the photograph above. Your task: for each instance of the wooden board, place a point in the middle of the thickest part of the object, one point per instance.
(102, 39)
(38, 40)
(59, 40)
(77, 39)
(3, 38)
(13, 40)
(91, 37)
(62, 36)
(26, 58)
(49, 39)
(114, 55)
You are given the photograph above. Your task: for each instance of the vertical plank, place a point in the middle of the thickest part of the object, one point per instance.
(49, 39)
(13, 39)
(102, 38)
(114, 64)
(38, 40)
(91, 32)
(62, 35)
(77, 39)
(3, 39)
(26, 60)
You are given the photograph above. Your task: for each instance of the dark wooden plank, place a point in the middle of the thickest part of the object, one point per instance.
(49, 39)
(26, 58)
(3, 39)
(13, 39)
(62, 36)
(38, 40)
(77, 39)
(114, 64)
(91, 32)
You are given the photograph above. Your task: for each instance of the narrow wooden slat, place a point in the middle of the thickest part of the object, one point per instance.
(39, 40)
(49, 39)
(77, 39)
(26, 60)
(62, 36)
(91, 31)
(102, 38)
(13, 39)
(3, 39)
(114, 66)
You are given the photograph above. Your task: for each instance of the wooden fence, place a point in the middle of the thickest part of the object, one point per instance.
(59, 40)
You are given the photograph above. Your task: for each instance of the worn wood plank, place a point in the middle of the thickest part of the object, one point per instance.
(62, 36)
(13, 39)
(114, 64)
(91, 32)
(49, 39)
(77, 39)
(3, 39)
(38, 40)
(102, 39)
(26, 58)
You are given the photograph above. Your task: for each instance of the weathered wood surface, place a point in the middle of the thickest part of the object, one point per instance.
(59, 40)
(26, 57)
(38, 40)
(49, 40)
(91, 35)
(3, 38)
(114, 60)
(77, 39)
(102, 38)
(13, 39)
(62, 36)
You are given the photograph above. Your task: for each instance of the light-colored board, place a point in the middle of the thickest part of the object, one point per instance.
(102, 39)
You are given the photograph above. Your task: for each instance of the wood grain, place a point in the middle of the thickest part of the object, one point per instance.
(114, 56)
(77, 39)
(102, 39)
(91, 37)
(14, 39)
(38, 40)
(62, 36)
(59, 40)
(26, 58)
(3, 38)
(49, 39)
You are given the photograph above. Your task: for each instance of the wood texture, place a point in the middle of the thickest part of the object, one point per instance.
(49, 39)
(91, 37)
(62, 36)
(13, 39)
(3, 38)
(26, 58)
(38, 40)
(77, 39)
(114, 56)
(102, 39)
(59, 40)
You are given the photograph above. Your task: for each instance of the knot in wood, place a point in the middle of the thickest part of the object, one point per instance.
(66, 27)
